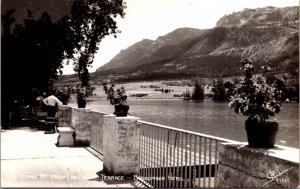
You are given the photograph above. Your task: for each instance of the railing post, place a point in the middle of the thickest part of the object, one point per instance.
(81, 122)
(121, 145)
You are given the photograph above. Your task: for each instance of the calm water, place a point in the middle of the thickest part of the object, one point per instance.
(206, 117)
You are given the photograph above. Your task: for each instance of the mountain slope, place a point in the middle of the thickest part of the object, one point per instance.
(147, 51)
(265, 34)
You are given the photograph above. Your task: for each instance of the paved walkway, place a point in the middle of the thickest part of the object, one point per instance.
(30, 158)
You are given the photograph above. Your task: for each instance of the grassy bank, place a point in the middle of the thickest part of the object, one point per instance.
(150, 90)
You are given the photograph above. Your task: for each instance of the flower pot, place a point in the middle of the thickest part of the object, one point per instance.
(261, 135)
(121, 110)
(81, 103)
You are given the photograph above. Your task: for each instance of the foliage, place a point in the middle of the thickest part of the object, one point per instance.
(33, 52)
(187, 94)
(105, 88)
(82, 94)
(219, 91)
(89, 23)
(198, 93)
(63, 94)
(31, 55)
(222, 90)
(256, 96)
(117, 97)
(229, 87)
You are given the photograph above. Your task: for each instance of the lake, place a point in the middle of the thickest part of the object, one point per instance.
(208, 117)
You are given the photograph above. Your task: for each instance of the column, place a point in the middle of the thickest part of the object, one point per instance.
(121, 145)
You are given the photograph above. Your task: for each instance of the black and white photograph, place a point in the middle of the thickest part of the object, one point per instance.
(149, 94)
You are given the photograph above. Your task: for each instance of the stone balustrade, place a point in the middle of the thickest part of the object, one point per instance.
(239, 166)
(64, 115)
(97, 122)
(79, 119)
(81, 122)
(116, 137)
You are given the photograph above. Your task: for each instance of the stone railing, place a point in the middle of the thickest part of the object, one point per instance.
(116, 137)
(80, 120)
(96, 136)
(237, 164)
(243, 167)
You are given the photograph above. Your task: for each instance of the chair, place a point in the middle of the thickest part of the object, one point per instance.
(35, 110)
(41, 118)
(50, 125)
(25, 117)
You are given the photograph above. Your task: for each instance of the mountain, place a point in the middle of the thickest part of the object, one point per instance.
(147, 51)
(267, 34)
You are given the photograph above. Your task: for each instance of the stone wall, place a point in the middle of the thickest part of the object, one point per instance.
(243, 167)
(81, 122)
(64, 115)
(78, 119)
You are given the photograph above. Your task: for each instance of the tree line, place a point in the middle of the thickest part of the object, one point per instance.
(32, 53)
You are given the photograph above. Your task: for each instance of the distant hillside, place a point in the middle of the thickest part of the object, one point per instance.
(147, 51)
(265, 34)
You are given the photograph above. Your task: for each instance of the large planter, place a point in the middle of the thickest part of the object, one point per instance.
(81, 103)
(261, 135)
(121, 110)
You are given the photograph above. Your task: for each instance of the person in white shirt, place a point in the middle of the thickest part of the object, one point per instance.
(52, 102)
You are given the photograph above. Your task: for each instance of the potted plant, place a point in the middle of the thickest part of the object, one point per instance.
(63, 95)
(81, 97)
(258, 96)
(118, 98)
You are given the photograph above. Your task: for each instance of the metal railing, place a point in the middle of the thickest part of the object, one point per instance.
(171, 157)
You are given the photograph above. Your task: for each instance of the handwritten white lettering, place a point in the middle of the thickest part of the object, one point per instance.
(275, 177)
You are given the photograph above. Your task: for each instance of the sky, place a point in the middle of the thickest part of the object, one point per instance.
(149, 19)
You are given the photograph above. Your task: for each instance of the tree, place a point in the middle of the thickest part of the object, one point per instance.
(198, 93)
(89, 23)
(229, 87)
(31, 58)
(187, 95)
(219, 91)
(32, 53)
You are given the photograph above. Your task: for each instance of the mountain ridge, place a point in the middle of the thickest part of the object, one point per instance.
(264, 34)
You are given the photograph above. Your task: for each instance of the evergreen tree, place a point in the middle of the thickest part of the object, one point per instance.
(198, 93)
(219, 90)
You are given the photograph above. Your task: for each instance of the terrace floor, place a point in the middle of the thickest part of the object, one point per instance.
(30, 158)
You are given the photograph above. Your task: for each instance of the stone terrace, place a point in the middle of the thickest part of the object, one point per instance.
(30, 158)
